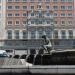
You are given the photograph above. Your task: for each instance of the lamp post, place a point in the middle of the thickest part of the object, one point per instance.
(27, 30)
(53, 34)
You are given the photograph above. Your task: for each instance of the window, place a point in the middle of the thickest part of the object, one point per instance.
(39, 0)
(55, 14)
(17, 7)
(9, 34)
(48, 32)
(24, 34)
(48, 14)
(17, 0)
(39, 6)
(40, 22)
(70, 22)
(70, 34)
(32, 34)
(9, 14)
(62, 14)
(9, 7)
(32, 14)
(24, 7)
(55, 1)
(70, 0)
(32, 7)
(17, 14)
(40, 13)
(55, 34)
(0, 7)
(32, 0)
(47, 7)
(17, 22)
(32, 22)
(8, 0)
(63, 34)
(24, 0)
(24, 22)
(62, 0)
(47, 0)
(70, 14)
(9, 22)
(24, 14)
(16, 34)
(62, 7)
(48, 22)
(40, 33)
(55, 7)
(69, 7)
(62, 22)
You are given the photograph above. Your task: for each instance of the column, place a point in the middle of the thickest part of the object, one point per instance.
(20, 34)
(13, 35)
(59, 34)
(37, 35)
(5, 34)
(29, 35)
(52, 32)
(67, 35)
(74, 33)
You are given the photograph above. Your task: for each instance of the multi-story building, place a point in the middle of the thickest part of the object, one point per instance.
(2, 20)
(28, 19)
(64, 23)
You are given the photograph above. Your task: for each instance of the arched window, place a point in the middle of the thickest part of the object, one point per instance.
(9, 34)
(16, 34)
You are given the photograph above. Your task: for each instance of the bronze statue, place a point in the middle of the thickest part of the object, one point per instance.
(47, 46)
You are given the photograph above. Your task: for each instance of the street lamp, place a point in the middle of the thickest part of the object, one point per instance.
(27, 28)
(52, 29)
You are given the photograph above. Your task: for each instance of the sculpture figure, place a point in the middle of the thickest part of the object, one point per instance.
(47, 46)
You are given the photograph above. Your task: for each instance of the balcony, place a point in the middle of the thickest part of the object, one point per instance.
(9, 27)
(17, 26)
(40, 17)
(41, 25)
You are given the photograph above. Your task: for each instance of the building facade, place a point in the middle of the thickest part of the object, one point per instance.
(2, 18)
(27, 19)
(2, 21)
(30, 19)
(64, 33)
(22, 14)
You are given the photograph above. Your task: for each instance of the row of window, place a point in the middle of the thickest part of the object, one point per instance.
(64, 22)
(24, 34)
(47, 7)
(39, 14)
(63, 14)
(39, 0)
(63, 7)
(63, 34)
(40, 33)
(25, 7)
(63, 1)
(17, 22)
(70, 22)
(31, 22)
(27, 14)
